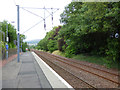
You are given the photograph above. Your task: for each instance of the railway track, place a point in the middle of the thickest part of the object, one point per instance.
(53, 64)
(75, 65)
(80, 67)
(74, 61)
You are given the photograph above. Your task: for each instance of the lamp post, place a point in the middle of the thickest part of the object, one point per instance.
(7, 40)
(18, 35)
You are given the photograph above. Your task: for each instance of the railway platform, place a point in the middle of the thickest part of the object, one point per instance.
(31, 72)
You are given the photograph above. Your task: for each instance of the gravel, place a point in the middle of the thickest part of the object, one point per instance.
(79, 78)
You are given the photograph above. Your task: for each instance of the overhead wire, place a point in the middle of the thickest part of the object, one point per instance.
(45, 9)
(14, 2)
(35, 25)
(32, 26)
(31, 8)
(32, 13)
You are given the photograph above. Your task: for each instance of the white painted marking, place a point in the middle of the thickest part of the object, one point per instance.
(39, 60)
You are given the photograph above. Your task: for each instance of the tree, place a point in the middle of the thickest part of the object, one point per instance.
(49, 43)
(24, 46)
(88, 26)
(11, 33)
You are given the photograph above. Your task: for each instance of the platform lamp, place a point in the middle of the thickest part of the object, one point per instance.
(7, 39)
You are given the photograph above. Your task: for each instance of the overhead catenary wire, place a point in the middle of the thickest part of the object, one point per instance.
(44, 18)
(45, 9)
(37, 8)
(14, 2)
(32, 13)
(32, 26)
(35, 25)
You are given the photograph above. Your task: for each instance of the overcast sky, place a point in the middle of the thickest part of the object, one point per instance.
(9, 12)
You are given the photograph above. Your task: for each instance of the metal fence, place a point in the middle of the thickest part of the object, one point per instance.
(2, 50)
(11, 51)
(0, 45)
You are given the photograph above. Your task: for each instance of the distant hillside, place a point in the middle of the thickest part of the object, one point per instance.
(33, 42)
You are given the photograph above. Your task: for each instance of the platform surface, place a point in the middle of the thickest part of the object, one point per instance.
(31, 72)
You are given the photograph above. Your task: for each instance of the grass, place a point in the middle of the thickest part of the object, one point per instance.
(92, 59)
(57, 52)
(97, 60)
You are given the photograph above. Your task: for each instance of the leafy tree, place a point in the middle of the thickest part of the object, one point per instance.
(49, 43)
(11, 33)
(88, 26)
(24, 46)
(43, 44)
(52, 46)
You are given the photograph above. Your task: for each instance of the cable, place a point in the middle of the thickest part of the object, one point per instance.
(32, 13)
(14, 2)
(31, 8)
(32, 26)
(51, 14)
(38, 8)
(47, 11)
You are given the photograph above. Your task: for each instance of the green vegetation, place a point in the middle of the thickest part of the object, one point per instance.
(11, 33)
(24, 46)
(88, 28)
(96, 59)
(92, 59)
(50, 43)
(57, 52)
(12, 36)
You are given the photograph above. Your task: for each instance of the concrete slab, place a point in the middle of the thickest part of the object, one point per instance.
(10, 71)
(25, 67)
(9, 74)
(29, 81)
(25, 74)
(10, 83)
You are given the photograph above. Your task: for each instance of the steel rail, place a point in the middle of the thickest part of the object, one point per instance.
(88, 71)
(69, 72)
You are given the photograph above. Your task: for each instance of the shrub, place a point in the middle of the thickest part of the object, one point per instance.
(52, 45)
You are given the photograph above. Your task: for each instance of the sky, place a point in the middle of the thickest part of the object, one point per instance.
(8, 11)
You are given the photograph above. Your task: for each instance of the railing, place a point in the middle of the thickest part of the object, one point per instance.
(11, 51)
(0, 45)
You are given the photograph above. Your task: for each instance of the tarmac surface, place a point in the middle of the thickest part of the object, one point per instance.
(30, 72)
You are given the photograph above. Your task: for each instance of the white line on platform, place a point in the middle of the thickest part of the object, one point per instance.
(38, 59)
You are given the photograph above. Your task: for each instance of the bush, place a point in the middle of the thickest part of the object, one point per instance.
(70, 51)
(52, 45)
(113, 49)
(24, 46)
